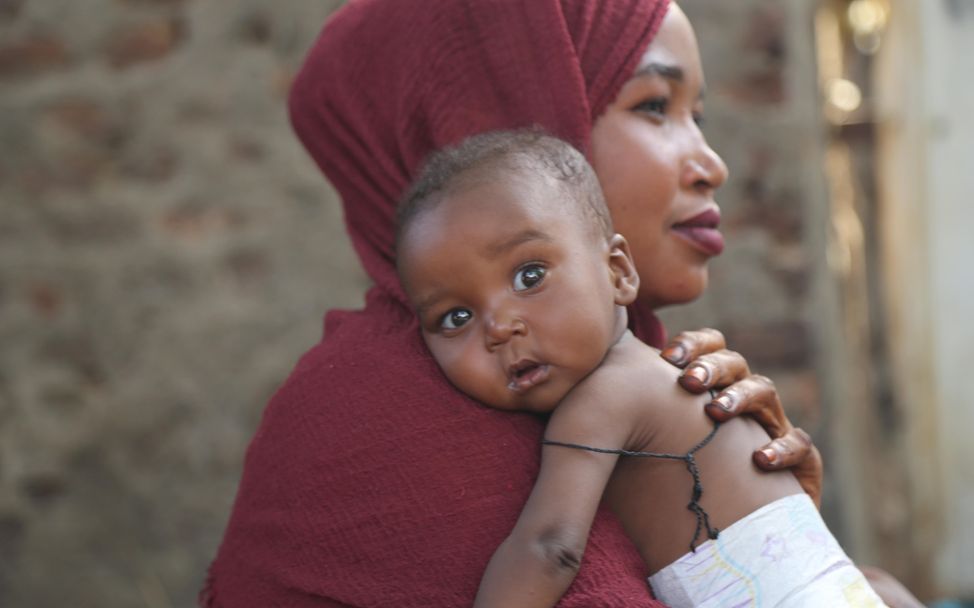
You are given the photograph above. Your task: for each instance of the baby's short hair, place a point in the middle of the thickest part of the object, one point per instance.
(526, 151)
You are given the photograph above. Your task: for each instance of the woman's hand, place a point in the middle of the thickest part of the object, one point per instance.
(709, 365)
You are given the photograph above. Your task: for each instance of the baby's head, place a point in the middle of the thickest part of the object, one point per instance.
(506, 251)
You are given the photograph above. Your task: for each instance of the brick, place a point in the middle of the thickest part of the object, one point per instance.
(764, 53)
(34, 55)
(95, 224)
(144, 42)
(155, 164)
(81, 116)
(766, 34)
(42, 489)
(256, 28)
(195, 221)
(46, 300)
(766, 87)
(246, 149)
(73, 350)
(248, 266)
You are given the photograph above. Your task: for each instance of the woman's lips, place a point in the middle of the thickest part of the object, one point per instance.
(700, 231)
(525, 375)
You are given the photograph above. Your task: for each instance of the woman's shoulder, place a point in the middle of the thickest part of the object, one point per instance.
(371, 478)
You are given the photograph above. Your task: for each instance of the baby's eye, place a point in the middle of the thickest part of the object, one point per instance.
(456, 318)
(528, 277)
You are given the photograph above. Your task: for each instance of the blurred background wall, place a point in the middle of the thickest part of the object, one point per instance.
(167, 252)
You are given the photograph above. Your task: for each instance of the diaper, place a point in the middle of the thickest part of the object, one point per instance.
(780, 555)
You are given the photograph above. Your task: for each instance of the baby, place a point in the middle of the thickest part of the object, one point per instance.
(507, 253)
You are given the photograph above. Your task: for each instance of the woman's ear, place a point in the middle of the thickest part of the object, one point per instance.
(625, 279)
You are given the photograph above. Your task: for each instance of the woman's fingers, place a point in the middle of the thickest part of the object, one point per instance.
(708, 364)
(755, 395)
(794, 451)
(689, 345)
(790, 448)
(714, 370)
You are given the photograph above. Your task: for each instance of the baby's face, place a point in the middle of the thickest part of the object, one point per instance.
(517, 297)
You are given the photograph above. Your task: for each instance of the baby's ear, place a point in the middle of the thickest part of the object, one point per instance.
(625, 279)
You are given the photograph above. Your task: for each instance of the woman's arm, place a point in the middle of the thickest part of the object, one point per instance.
(708, 364)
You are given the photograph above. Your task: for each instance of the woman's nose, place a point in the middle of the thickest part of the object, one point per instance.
(703, 169)
(501, 327)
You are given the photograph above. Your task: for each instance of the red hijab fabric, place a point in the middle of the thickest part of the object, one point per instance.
(371, 481)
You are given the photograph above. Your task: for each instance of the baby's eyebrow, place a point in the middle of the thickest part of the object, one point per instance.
(423, 305)
(499, 247)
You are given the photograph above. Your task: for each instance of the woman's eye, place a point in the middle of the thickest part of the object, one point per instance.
(528, 277)
(698, 118)
(655, 106)
(456, 318)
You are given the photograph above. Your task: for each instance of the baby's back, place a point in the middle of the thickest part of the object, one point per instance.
(651, 495)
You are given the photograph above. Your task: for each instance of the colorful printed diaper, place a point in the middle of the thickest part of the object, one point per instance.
(780, 555)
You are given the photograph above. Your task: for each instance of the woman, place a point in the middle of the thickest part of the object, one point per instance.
(353, 492)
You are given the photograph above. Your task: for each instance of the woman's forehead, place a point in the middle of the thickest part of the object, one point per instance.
(673, 53)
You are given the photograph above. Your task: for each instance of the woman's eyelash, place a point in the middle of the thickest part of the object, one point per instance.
(656, 105)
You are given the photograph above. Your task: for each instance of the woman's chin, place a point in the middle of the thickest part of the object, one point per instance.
(684, 291)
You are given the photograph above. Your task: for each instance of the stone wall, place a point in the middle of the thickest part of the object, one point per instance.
(167, 251)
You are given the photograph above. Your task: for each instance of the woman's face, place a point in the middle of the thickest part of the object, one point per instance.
(657, 171)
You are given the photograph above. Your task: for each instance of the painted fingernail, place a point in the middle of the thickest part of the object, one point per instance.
(675, 354)
(698, 371)
(726, 402)
(770, 455)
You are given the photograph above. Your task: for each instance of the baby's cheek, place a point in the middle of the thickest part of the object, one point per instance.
(590, 339)
(468, 369)
(448, 359)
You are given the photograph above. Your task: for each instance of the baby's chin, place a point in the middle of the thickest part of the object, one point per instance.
(542, 402)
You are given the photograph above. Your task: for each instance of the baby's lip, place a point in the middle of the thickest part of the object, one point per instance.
(525, 374)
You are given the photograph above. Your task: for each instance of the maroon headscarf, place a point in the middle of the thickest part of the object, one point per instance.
(371, 481)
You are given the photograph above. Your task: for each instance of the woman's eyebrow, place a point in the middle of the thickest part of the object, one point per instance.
(667, 71)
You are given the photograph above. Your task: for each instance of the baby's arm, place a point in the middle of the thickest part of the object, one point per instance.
(539, 560)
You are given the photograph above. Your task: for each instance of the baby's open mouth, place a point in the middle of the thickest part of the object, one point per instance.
(526, 374)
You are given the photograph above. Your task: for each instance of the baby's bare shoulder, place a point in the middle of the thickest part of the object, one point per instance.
(631, 375)
(632, 363)
(626, 402)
